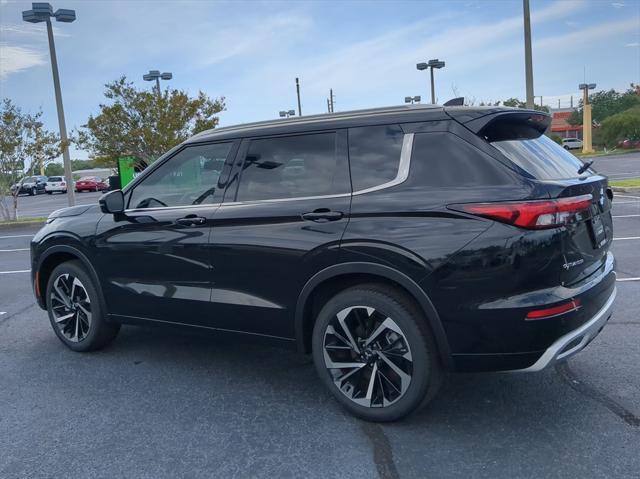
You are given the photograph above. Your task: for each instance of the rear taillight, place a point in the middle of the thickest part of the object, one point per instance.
(535, 214)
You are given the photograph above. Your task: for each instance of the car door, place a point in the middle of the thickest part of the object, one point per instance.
(154, 260)
(282, 220)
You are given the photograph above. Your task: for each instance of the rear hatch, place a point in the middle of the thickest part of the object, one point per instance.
(588, 234)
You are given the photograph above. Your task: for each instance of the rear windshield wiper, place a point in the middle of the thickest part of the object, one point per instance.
(585, 167)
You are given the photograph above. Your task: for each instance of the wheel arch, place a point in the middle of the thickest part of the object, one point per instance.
(333, 279)
(56, 255)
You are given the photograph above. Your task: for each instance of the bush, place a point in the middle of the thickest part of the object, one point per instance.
(622, 126)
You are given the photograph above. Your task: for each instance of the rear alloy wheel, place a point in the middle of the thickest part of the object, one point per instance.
(373, 349)
(74, 309)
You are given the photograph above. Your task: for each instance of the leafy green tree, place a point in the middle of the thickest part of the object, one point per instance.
(82, 164)
(54, 169)
(516, 103)
(24, 144)
(145, 124)
(606, 103)
(622, 126)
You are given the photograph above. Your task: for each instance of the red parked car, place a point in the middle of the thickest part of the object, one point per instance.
(91, 183)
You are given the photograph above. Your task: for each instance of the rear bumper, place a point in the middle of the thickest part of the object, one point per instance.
(576, 340)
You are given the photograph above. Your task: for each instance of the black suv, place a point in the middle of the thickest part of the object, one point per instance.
(31, 185)
(392, 244)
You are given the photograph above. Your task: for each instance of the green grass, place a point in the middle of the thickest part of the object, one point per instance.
(22, 221)
(630, 183)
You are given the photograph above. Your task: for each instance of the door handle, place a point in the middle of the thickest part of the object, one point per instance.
(322, 214)
(191, 220)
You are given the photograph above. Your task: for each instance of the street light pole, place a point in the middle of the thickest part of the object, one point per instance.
(42, 12)
(587, 143)
(431, 64)
(528, 62)
(66, 160)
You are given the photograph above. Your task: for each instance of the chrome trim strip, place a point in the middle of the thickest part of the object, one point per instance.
(403, 168)
(401, 177)
(166, 208)
(586, 332)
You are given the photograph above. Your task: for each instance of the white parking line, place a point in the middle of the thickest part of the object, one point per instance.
(17, 236)
(626, 202)
(16, 271)
(627, 196)
(628, 279)
(2, 312)
(625, 216)
(12, 250)
(627, 238)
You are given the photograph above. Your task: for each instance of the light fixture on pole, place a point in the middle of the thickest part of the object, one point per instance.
(412, 99)
(287, 113)
(587, 144)
(42, 12)
(431, 64)
(156, 75)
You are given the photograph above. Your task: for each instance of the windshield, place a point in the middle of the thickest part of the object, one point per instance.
(542, 158)
(30, 179)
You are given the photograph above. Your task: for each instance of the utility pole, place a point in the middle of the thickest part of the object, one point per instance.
(331, 97)
(528, 63)
(298, 93)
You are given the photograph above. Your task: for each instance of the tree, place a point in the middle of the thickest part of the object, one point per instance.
(622, 126)
(145, 124)
(516, 103)
(54, 169)
(606, 103)
(23, 144)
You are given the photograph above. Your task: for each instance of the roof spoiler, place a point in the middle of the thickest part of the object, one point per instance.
(513, 124)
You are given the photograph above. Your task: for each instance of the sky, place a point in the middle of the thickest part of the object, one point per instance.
(251, 52)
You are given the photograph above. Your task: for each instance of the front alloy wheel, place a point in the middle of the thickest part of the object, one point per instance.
(368, 356)
(71, 307)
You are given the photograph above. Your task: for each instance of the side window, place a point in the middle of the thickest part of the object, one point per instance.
(446, 160)
(293, 167)
(188, 178)
(374, 155)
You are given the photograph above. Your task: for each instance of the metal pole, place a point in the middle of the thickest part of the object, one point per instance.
(587, 145)
(433, 89)
(158, 87)
(298, 93)
(528, 63)
(63, 128)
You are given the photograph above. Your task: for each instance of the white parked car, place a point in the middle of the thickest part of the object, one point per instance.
(571, 143)
(56, 183)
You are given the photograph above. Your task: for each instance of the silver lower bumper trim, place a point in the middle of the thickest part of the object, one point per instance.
(564, 347)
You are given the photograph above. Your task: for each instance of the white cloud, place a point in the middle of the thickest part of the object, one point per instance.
(30, 29)
(633, 44)
(14, 59)
(617, 4)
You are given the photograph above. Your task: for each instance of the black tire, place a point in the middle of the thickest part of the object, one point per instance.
(33, 192)
(92, 331)
(414, 338)
(49, 192)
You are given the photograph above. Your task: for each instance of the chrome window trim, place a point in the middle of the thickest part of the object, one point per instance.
(403, 167)
(401, 177)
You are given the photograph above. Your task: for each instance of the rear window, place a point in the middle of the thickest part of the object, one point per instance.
(55, 178)
(541, 157)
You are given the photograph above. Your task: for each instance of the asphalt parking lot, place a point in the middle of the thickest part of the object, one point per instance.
(159, 403)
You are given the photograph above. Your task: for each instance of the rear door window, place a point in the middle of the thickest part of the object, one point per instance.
(541, 157)
(293, 167)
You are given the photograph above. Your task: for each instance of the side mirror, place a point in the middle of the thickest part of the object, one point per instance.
(112, 202)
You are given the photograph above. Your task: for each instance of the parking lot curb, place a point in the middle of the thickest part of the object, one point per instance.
(20, 224)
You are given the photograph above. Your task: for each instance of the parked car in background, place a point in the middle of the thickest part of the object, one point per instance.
(31, 185)
(629, 144)
(91, 183)
(572, 143)
(56, 184)
(391, 244)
